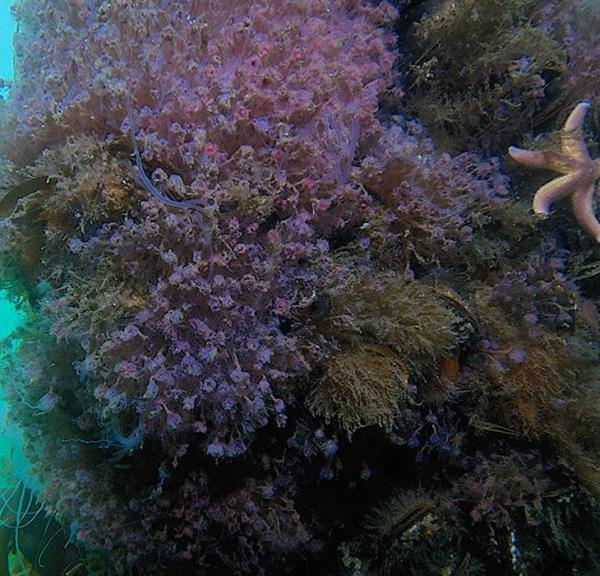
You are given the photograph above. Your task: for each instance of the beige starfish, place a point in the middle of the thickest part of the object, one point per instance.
(579, 171)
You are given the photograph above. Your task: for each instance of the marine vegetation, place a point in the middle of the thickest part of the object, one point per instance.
(480, 73)
(286, 312)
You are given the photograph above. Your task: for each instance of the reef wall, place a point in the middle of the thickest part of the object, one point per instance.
(275, 324)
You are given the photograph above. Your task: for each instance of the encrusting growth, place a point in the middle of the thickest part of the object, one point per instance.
(579, 172)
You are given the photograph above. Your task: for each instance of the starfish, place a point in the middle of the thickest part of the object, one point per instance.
(579, 172)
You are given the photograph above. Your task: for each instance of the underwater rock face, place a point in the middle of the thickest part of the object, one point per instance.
(246, 324)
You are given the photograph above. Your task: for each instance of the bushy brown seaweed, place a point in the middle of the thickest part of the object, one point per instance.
(479, 71)
(362, 385)
(410, 318)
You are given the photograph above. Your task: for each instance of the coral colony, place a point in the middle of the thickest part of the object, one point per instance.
(289, 309)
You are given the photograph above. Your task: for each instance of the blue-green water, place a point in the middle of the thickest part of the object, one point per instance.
(7, 28)
(9, 316)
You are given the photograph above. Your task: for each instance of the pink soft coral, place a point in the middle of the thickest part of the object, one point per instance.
(204, 79)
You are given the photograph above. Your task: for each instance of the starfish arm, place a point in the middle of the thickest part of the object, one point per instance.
(572, 141)
(530, 158)
(583, 209)
(577, 116)
(552, 191)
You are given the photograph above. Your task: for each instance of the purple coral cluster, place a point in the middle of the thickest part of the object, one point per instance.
(203, 79)
(538, 293)
(258, 110)
(422, 222)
